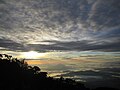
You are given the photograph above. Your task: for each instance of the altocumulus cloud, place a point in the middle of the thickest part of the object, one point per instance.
(62, 24)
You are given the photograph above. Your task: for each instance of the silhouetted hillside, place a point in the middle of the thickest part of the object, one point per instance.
(18, 75)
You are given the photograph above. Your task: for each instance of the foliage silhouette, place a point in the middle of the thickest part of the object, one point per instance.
(18, 75)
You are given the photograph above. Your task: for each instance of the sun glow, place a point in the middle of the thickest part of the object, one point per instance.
(33, 55)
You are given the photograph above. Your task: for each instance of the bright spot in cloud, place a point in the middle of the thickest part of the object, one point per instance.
(32, 55)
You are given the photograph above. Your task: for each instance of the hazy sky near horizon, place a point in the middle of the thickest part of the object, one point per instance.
(62, 34)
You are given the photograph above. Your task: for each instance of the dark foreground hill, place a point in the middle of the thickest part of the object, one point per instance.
(18, 75)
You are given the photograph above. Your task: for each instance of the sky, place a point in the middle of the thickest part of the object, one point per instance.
(64, 34)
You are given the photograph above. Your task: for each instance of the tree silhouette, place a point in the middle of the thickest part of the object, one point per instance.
(36, 69)
(1, 55)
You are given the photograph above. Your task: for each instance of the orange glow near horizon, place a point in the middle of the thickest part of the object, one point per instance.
(32, 62)
(39, 62)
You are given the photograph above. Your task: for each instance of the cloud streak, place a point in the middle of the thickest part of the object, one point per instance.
(77, 46)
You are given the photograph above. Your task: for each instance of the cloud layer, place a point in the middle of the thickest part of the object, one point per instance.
(60, 25)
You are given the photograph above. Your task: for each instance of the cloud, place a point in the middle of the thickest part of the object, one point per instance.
(77, 46)
(105, 77)
(75, 24)
(105, 13)
(11, 45)
(88, 75)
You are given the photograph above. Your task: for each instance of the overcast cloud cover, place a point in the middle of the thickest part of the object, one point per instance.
(46, 25)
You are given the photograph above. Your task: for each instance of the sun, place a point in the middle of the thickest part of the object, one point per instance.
(32, 55)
